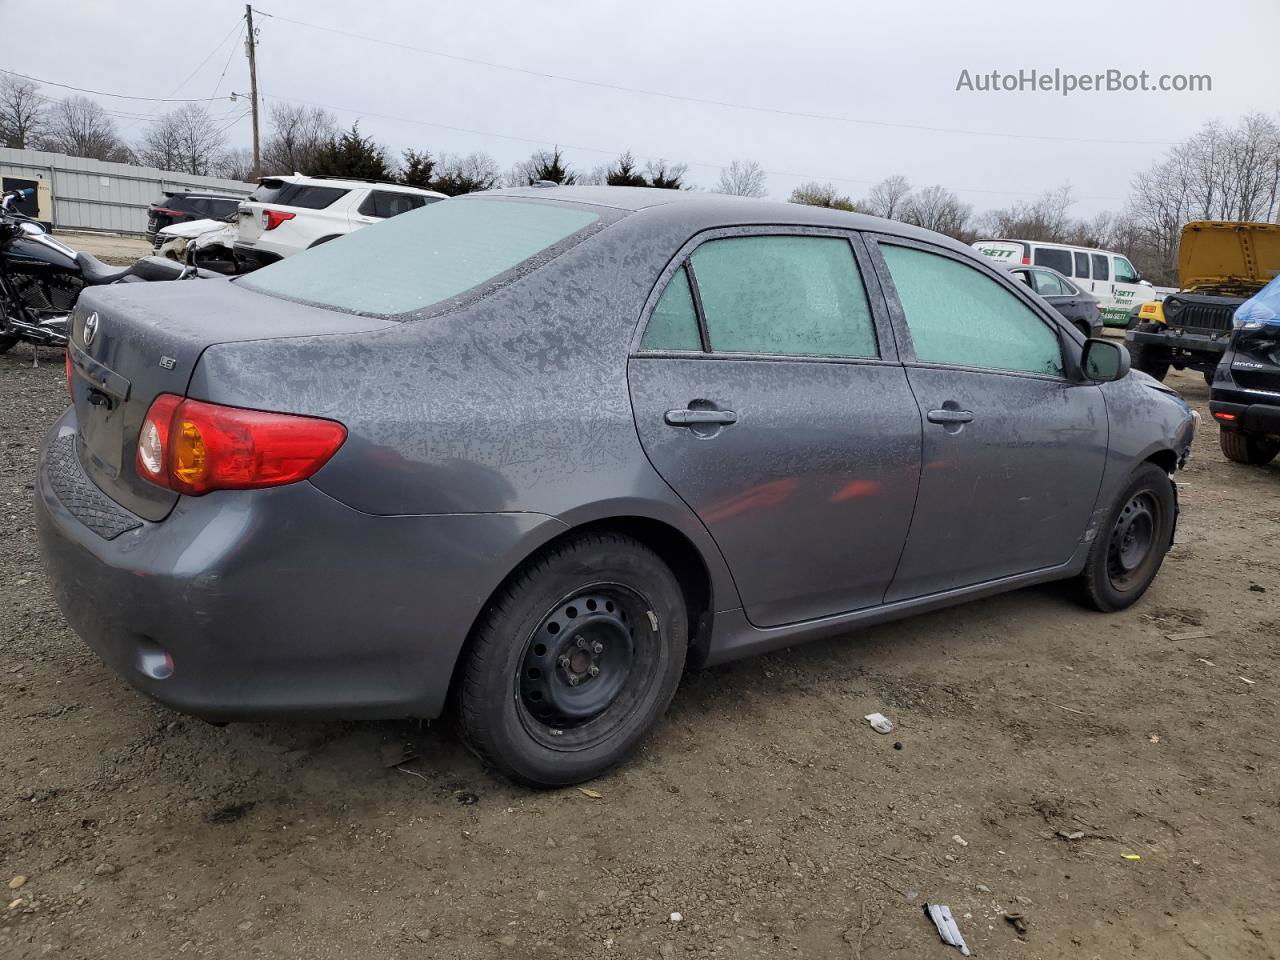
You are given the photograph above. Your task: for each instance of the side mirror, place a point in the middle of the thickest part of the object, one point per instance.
(1145, 283)
(1104, 360)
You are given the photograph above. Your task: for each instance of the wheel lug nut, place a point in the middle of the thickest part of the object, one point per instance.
(573, 679)
(563, 661)
(597, 647)
(594, 670)
(581, 642)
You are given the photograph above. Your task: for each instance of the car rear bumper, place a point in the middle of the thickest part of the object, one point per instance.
(251, 604)
(1259, 418)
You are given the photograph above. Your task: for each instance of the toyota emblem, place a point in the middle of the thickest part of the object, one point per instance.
(90, 328)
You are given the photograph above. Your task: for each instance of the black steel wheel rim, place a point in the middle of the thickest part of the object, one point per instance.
(587, 665)
(1132, 545)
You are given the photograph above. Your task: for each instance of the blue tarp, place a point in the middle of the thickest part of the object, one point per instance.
(1262, 307)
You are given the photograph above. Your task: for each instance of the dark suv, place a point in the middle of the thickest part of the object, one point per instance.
(1245, 399)
(183, 207)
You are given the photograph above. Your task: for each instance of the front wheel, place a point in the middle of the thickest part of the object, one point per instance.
(574, 661)
(1148, 358)
(1246, 448)
(1130, 547)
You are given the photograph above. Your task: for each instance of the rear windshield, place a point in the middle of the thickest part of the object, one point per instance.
(421, 258)
(303, 195)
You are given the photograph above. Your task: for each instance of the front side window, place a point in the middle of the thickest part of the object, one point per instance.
(1101, 271)
(959, 316)
(1125, 272)
(795, 296)
(1082, 266)
(422, 258)
(1059, 260)
(674, 323)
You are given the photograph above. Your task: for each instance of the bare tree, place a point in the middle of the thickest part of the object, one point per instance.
(1045, 218)
(185, 140)
(79, 127)
(815, 194)
(937, 208)
(742, 178)
(296, 136)
(666, 176)
(888, 198)
(22, 111)
(465, 174)
(236, 164)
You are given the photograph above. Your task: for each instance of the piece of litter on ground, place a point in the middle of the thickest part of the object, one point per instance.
(1073, 835)
(1019, 923)
(945, 924)
(1154, 738)
(676, 917)
(593, 794)
(879, 722)
(1207, 663)
(1192, 635)
(1132, 856)
(1248, 681)
(960, 840)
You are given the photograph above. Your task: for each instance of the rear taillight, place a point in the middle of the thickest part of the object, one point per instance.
(1223, 415)
(195, 447)
(1026, 261)
(273, 218)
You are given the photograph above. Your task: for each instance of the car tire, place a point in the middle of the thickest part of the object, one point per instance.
(573, 661)
(7, 342)
(1131, 544)
(1085, 329)
(1208, 377)
(1147, 358)
(1246, 448)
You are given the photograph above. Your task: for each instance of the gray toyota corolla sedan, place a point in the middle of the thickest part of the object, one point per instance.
(533, 453)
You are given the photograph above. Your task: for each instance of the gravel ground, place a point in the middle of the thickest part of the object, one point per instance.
(1041, 745)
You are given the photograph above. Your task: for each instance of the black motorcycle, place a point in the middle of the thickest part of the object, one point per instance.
(41, 278)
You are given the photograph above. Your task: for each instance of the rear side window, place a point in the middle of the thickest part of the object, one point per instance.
(1060, 260)
(1082, 266)
(422, 258)
(958, 315)
(221, 209)
(303, 195)
(674, 323)
(388, 203)
(1101, 270)
(797, 296)
(1047, 285)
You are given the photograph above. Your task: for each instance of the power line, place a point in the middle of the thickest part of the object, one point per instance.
(706, 101)
(235, 27)
(615, 152)
(230, 53)
(102, 93)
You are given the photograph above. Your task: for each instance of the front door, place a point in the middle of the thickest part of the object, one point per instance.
(767, 394)
(1013, 451)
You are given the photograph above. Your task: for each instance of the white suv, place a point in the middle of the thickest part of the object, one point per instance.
(288, 214)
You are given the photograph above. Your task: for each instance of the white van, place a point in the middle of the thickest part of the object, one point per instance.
(1108, 276)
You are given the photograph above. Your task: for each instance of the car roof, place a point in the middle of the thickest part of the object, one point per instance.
(202, 195)
(709, 210)
(1049, 243)
(351, 184)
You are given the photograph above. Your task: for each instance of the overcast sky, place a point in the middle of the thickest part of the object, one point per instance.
(894, 62)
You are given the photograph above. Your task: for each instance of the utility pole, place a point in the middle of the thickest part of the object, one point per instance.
(250, 44)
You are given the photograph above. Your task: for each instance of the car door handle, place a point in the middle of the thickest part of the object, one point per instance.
(950, 416)
(700, 418)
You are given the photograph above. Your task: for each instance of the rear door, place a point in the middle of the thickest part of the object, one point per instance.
(1013, 451)
(767, 393)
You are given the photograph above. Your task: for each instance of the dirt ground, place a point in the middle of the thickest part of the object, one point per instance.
(764, 810)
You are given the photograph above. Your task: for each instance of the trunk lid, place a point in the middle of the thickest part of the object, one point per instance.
(133, 341)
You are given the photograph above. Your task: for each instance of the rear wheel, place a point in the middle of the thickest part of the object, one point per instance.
(574, 661)
(1208, 377)
(1246, 448)
(1127, 553)
(1148, 358)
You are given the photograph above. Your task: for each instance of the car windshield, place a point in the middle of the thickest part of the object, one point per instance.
(421, 258)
